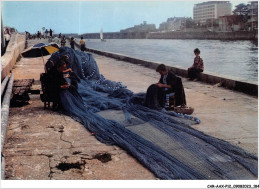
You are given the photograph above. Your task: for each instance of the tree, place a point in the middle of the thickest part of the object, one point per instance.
(241, 9)
(190, 23)
(214, 21)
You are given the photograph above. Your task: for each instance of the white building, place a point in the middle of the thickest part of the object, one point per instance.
(211, 10)
(253, 14)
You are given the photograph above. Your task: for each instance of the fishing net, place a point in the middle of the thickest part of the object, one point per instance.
(190, 154)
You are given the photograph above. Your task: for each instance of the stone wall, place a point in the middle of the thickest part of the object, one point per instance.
(15, 47)
(240, 35)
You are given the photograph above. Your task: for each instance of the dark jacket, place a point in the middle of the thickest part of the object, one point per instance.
(54, 80)
(177, 88)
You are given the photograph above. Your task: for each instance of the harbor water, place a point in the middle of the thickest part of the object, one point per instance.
(229, 58)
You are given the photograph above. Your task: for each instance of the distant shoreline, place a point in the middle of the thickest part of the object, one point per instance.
(238, 35)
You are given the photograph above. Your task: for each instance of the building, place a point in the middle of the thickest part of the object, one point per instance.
(231, 23)
(245, 22)
(144, 27)
(210, 10)
(253, 15)
(173, 24)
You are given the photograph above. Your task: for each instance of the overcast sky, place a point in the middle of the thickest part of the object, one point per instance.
(90, 16)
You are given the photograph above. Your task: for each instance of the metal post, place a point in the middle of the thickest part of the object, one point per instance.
(252, 25)
(212, 24)
(2, 166)
(5, 110)
(185, 25)
(4, 121)
(3, 84)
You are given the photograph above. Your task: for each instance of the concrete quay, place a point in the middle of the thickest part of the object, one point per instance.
(46, 145)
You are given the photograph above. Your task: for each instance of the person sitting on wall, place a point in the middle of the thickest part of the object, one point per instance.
(197, 67)
(157, 96)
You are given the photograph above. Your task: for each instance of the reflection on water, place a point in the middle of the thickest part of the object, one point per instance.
(231, 58)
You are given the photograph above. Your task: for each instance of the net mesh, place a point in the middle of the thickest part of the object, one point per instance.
(186, 154)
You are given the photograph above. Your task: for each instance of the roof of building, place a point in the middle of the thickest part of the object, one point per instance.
(212, 2)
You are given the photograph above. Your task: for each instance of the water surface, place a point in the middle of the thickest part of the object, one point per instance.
(228, 58)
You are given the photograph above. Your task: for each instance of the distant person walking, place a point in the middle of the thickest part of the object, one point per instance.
(63, 41)
(82, 44)
(46, 33)
(27, 35)
(39, 35)
(72, 43)
(197, 67)
(51, 33)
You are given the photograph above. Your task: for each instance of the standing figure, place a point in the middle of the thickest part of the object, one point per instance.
(197, 67)
(46, 33)
(63, 41)
(82, 44)
(72, 43)
(51, 33)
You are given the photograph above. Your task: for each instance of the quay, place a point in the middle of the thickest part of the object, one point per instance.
(45, 145)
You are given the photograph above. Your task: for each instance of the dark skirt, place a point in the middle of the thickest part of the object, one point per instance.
(155, 97)
(82, 47)
(194, 73)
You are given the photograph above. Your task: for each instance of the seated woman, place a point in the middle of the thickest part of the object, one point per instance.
(197, 67)
(56, 82)
(168, 83)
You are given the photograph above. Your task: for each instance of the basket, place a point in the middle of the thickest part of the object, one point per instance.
(184, 109)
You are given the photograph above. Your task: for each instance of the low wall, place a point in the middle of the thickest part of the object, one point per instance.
(15, 46)
(247, 87)
(239, 35)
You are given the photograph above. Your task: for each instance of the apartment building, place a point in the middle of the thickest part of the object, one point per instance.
(253, 14)
(211, 10)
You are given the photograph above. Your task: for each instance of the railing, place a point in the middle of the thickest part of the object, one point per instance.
(7, 92)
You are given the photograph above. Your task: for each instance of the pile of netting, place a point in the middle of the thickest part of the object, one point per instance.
(217, 159)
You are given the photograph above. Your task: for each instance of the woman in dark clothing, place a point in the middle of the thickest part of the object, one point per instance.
(168, 83)
(197, 67)
(56, 82)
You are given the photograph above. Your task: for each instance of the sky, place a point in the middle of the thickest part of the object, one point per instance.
(90, 16)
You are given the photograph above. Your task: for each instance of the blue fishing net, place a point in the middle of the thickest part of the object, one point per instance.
(197, 155)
